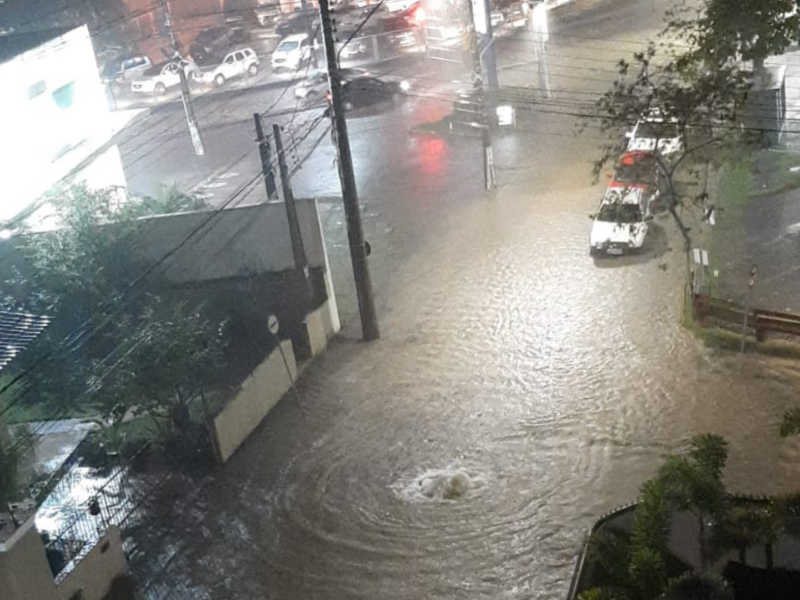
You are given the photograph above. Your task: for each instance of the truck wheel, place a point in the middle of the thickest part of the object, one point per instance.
(219, 80)
(160, 89)
(253, 70)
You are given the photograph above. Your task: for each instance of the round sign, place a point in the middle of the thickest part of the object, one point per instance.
(272, 324)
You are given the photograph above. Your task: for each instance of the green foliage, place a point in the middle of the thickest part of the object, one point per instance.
(744, 525)
(172, 353)
(604, 594)
(710, 453)
(130, 351)
(727, 30)
(609, 552)
(9, 480)
(790, 425)
(788, 509)
(695, 586)
(168, 200)
(647, 572)
(651, 528)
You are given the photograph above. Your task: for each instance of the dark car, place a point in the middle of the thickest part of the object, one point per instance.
(210, 44)
(299, 22)
(362, 91)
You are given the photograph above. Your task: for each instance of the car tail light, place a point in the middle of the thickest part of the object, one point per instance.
(328, 97)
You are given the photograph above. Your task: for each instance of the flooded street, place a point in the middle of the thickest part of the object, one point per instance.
(520, 388)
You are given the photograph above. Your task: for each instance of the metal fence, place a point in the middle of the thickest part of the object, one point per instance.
(82, 506)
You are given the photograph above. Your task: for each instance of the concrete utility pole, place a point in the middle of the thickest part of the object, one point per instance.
(479, 67)
(186, 97)
(298, 251)
(538, 25)
(355, 233)
(266, 159)
(482, 22)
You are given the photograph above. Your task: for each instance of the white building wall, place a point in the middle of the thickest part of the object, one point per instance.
(53, 116)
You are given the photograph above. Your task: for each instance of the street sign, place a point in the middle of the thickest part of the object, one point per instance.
(273, 325)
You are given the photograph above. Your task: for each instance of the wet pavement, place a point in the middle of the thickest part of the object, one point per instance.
(520, 388)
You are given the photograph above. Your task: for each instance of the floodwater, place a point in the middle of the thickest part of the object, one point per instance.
(520, 388)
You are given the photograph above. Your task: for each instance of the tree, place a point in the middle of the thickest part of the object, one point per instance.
(173, 353)
(722, 31)
(117, 345)
(696, 586)
(674, 93)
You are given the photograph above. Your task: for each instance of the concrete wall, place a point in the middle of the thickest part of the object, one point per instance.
(24, 571)
(231, 243)
(93, 572)
(252, 402)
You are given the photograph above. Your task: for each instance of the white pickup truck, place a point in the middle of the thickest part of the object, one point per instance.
(236, 63)
(161, 78)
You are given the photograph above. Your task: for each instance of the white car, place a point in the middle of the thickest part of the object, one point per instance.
(621, 222)
(655, 132)
(292, 52)
(162, 78)
(133, 68)
(235, 64)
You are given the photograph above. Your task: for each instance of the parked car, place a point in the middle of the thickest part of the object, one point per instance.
(122, 70)
(236, 63)
(654, 131)
(516, 16)
(299, 22)
(292, 52)
(621, 223)
(210, 44)
(637, 169)
(268, 13)
(160, 78)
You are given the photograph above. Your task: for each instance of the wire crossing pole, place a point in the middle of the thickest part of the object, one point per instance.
(186, 96)
(298, 251)
(355, 233)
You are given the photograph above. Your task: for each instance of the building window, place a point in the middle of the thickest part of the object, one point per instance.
(37, 89)
(64, 95)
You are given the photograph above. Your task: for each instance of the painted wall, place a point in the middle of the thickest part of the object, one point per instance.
(252, 402)
(233, 242)
(24, 571)
(53, 115)
(95, 571)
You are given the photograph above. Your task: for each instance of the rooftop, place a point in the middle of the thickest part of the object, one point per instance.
(14, 44)
(17, 331)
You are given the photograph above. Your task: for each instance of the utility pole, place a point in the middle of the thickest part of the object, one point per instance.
(266, 159)
(298, 251)
(538, 24)
(186, 97)
(355, 233)
(482, 22)
(476, 14)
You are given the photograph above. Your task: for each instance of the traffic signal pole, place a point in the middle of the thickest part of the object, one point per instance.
(355, 232)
